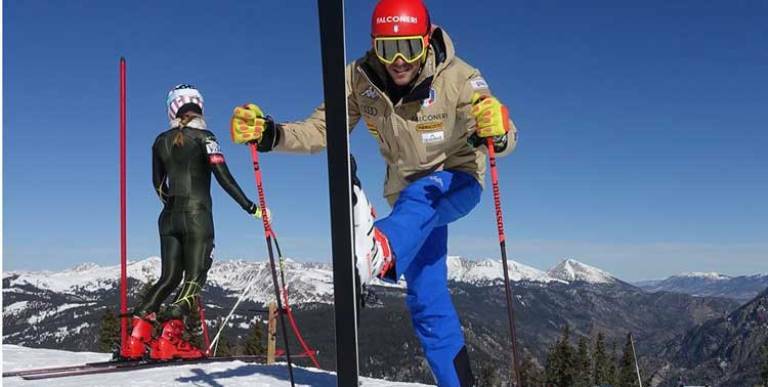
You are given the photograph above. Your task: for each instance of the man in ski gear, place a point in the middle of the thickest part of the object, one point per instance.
(430, 113)
(183, 159)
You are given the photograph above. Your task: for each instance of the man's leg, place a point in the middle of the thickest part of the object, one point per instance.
(427, 203)
(418, 233)
(432, 313)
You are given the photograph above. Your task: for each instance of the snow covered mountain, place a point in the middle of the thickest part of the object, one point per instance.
(711, 276)
(65, 309)
(742, 288)
(485, 271)
(308, 282)
(231, 373)
(60, 308)
(571, 270)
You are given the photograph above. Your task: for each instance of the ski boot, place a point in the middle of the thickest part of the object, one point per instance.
(171, 345)
(140, 339)
(373, 255)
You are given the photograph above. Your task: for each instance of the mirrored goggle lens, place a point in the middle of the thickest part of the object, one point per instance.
(410, 48)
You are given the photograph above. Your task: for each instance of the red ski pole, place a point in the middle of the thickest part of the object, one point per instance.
(285, 308)
(123, 238)
(269, 235)
(503, 246)
(307, 350)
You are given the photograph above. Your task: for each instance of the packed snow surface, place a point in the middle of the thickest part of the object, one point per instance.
(224, 374)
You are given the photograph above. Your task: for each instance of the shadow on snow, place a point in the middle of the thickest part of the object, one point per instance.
(300, 375)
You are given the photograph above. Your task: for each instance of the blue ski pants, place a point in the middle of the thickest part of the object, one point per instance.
(417, 229)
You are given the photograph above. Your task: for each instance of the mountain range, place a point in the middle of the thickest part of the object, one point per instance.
(741, 288)
(63, 310)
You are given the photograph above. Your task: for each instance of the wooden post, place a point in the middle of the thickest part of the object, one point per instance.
(271, 332)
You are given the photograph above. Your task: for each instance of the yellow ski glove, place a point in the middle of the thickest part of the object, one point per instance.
(258, 213)
(491, 115)
(248, 124)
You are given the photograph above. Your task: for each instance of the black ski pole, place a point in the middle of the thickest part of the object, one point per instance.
(503, 246)
(268, 234)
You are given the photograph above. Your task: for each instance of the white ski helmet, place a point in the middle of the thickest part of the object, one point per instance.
(181, 95)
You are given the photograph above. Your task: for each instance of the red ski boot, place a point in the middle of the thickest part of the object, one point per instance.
(141, 337)
(171, 345)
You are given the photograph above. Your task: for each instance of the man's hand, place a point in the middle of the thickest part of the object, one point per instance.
(249, 124)
(492, 117)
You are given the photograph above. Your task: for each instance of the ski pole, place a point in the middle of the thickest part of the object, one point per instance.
(214, 343)
(213, 346)
(634, 354)
(503, 247)
(281, 262)
(269, 234)
(311, 353)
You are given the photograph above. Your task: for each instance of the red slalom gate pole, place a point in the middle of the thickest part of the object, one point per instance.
(123, 238)
(503, 246)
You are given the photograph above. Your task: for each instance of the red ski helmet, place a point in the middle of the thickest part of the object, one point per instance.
(400, 18)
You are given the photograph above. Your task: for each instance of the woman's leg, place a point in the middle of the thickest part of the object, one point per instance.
(171, 254)
(198, 250)
(172, 267)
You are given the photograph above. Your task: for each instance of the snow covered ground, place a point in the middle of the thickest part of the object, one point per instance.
(225, 374)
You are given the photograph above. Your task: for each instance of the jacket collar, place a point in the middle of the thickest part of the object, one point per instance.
(441, 54)
(196, 123)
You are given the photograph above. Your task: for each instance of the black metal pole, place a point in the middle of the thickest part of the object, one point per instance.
(331, 14)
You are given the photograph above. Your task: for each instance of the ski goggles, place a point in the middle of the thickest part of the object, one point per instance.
(409, 48)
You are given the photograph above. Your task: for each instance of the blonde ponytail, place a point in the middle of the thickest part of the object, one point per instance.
(178, 139)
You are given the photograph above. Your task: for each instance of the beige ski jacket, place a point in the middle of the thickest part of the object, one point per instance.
(425, 131)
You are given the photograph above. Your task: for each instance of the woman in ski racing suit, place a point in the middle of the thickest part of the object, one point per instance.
(183, 159)
(430, 113)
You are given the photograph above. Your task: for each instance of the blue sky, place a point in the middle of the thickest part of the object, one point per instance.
(642, 127)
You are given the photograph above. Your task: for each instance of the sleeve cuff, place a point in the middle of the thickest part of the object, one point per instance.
(270, 138)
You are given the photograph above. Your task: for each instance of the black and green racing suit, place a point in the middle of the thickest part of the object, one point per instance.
(181, 174)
